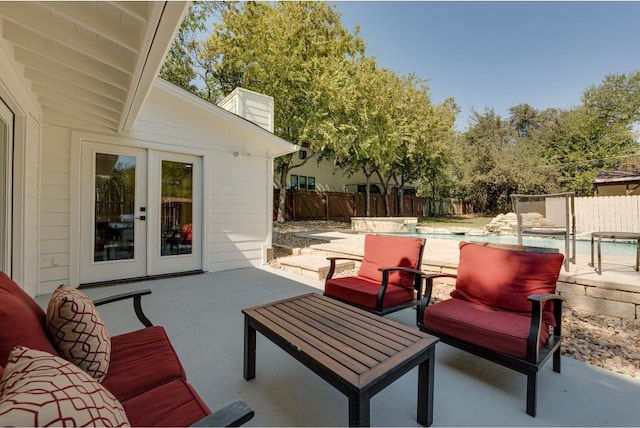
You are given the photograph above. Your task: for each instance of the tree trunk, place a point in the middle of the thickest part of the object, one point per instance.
(401, 197)
(282, 198)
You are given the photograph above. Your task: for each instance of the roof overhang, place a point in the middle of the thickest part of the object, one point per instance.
(90, 65)
(276, 146)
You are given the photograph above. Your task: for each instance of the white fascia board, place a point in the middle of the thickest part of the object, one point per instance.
(277, 146)
(164, 23)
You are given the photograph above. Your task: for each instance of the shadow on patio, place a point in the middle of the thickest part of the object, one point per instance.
(202, 316)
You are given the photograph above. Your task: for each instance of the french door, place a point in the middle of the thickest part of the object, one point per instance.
(6, 191)
(141, 213)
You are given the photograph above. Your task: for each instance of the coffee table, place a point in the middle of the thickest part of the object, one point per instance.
(357, 352)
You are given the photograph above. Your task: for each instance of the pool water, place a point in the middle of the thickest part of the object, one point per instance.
(583, 246)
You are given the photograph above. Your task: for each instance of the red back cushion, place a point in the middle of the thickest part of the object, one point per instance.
(503, 278)
(22, 321)
(391, 251)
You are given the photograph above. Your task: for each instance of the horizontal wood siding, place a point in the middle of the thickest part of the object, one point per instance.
(31, 194)
(238, 213)
(55, 208)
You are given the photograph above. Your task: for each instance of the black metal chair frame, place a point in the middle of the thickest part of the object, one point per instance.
(536, 356)
(418, 284)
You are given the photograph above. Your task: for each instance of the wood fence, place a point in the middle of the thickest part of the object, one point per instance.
(608, 213)
(341, 206)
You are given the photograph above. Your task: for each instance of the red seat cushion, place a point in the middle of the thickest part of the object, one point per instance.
(23, 321)
(494, 329)
(141, 360)
(364, 292)
(382, 251)
(503, 279)
(172, 404)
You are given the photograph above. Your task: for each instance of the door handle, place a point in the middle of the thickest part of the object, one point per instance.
(142, 217)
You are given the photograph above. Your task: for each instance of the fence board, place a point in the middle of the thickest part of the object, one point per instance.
(608, 213)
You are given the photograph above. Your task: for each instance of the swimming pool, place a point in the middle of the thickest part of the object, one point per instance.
(583, 246)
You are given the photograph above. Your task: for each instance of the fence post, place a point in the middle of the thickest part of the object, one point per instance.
(326, 205)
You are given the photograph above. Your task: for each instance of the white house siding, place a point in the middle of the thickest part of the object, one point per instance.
(31, 202)
(239, 212)
(237, 168)
(26, 153)
(258, 108)
(55, 208)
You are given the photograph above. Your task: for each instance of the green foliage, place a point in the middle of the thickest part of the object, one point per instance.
(331, 98)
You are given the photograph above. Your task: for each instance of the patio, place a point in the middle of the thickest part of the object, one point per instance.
(202, 316)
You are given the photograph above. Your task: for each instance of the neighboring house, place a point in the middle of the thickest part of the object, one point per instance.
(109, 172)
(324, 176)
(617, 183)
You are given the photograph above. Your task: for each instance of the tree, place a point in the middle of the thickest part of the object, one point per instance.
(297, 52)
(183, 65)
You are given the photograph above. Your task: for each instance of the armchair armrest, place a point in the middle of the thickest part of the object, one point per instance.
(537, 303)
(429, 277)
(232, 415)
(137, 303)
(332, 266)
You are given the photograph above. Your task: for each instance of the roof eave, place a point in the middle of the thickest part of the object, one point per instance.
(168, 17)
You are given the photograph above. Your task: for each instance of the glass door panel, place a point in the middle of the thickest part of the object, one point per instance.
(176, 211)
(114, 211)
(113, 225)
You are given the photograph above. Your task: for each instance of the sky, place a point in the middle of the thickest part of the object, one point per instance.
(500, 54)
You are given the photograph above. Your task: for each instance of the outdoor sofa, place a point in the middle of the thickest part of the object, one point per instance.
(62, 368)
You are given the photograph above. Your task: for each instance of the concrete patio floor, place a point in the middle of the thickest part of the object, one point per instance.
(202, 316)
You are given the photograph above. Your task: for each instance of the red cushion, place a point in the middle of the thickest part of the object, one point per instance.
(503, 278)
(141, 360)
(172, 404)
(22, 319)
(364, 292)
(494, 329)
(390, 251)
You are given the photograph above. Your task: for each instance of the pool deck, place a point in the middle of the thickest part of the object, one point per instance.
(616, 291)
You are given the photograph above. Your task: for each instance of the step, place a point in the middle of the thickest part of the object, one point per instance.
(313, 266)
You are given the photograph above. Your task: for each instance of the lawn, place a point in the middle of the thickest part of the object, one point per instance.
(455, 221)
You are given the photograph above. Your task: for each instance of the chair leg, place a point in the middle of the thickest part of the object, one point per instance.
(532, 386)
(556, 361)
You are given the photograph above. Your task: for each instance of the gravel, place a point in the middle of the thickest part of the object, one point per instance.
(604, 341)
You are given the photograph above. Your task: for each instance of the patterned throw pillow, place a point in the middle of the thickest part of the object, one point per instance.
(39, 389)
(78, 332)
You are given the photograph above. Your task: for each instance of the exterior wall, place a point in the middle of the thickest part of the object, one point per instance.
(258, 108)
(55, 208)
(26, 173)
(237, 200)
(327, 177)
(617, 189)
(238, 169)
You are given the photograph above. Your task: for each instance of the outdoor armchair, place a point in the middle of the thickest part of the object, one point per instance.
(504, 308)
(389, 278)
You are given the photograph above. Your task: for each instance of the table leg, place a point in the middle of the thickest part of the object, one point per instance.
(592, 264)
(425, 389)
(359, 409)
(599, 256)
(249, 350)
(638, 256)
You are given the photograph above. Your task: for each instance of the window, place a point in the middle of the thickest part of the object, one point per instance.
(302, 154)
(303, 182)
(311, 183)
(294, 181)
